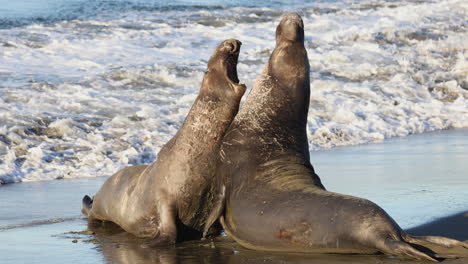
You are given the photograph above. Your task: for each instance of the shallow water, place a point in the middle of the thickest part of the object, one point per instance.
(88, 87)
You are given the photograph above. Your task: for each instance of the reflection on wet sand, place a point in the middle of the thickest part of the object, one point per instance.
(119, 247)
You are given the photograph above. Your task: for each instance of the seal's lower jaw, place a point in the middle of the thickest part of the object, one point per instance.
(233, 80)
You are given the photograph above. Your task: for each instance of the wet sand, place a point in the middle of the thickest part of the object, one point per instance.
(420, 180)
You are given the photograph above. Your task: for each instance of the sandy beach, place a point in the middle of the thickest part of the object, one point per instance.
(420, 180)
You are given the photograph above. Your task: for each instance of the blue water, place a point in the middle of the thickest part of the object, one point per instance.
(20, 13)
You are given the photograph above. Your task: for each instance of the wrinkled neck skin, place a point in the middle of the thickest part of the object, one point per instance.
(211, 114)
(275, 111)
(215, 107)
(289, 66)
(198, 141)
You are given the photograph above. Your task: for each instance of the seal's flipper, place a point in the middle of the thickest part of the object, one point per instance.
(400, 248)
(167, 231)
(160, 240)
(436, 240)
(87, 204)
(216, 212)
(440, 247)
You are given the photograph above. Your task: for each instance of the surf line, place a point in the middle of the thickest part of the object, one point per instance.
(39, 222)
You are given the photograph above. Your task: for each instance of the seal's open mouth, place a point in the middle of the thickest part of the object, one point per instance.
(231, 74)
(231, 69)
(231, 61)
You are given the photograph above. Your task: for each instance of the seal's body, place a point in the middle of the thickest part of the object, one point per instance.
(148, 201)
(274, 199)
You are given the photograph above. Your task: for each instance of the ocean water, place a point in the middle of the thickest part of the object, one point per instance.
(88, 87)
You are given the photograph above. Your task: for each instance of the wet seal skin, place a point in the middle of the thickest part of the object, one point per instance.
(274, 199)
(175, 192)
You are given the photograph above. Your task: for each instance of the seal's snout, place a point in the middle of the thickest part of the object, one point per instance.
(224, 60)
(232, 45)
(291, 27)
(293, 18)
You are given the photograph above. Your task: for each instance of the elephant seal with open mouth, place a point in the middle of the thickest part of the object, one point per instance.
(150, 200)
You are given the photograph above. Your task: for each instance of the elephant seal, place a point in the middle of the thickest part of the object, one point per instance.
(150, 200)
(274, 199)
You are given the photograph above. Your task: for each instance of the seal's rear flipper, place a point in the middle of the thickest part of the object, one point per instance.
(87, 204)
(436, 240)
(402, 249)
(442, 246)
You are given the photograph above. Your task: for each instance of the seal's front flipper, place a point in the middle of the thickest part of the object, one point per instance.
(167, 230)
(402, 249)
(217, 211)
(160, 240)
(87, 204)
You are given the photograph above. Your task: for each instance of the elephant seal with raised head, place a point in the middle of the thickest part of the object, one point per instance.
(274, 199)
(150, 200)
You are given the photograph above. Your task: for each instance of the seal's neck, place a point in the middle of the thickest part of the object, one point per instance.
(206, 123)
(279, 99)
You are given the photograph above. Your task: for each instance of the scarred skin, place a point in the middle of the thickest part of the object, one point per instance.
(150, 200)
(274, 199)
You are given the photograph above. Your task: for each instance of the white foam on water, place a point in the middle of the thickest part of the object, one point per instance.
(85, 97)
